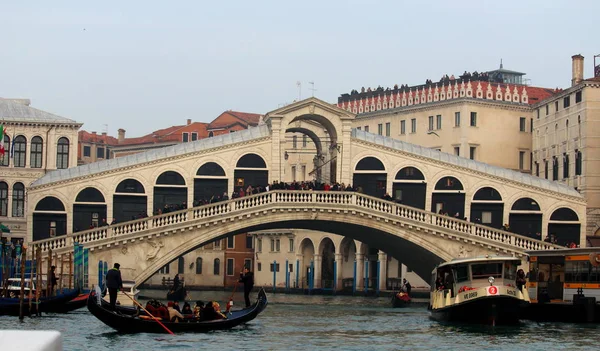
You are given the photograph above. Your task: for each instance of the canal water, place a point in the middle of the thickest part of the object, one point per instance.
(298, 322)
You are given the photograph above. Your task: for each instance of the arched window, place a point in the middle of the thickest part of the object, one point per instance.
(199, 265)
(370, 164)
(37, 147)
(62, 153)
(3, 199)
(5, 160)
(217, 267)
(18, 200)
(181, 265)
(20, 151)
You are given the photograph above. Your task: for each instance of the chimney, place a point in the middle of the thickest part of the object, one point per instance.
(121, 135)
(103, 134)
(189, 121)
(577, 69)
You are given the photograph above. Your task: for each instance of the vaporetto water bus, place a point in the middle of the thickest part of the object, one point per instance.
(564, 285)
(479, 290)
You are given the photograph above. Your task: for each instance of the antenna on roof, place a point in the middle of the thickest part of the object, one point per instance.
(313, 88)
(299, 85)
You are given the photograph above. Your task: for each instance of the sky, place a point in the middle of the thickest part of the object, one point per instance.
(147, 65)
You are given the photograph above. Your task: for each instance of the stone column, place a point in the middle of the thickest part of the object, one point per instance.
(360, 271)
(382, 257)
(317, 259)
(339, 262)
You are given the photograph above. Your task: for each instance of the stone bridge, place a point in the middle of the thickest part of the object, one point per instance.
(422, 239)
(424, 183)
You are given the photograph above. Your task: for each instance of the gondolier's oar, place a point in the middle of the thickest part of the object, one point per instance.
(150, 314)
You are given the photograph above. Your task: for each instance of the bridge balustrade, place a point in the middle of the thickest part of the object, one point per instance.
(336, 199)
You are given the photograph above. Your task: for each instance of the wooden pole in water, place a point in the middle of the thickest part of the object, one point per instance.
(48, 279)
(22, 294)
(38, 279)
(70, 270)
(62, 265)
(31, 279)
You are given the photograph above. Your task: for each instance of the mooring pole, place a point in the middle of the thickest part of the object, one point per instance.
(22, 295)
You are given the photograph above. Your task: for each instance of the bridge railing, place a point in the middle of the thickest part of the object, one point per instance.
(337, 199)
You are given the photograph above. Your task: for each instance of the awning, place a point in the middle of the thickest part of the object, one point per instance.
(4, 228)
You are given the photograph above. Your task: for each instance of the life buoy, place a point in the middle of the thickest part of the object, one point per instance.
(595, 259)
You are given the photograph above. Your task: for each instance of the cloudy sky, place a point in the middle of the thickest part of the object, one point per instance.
(146, 65)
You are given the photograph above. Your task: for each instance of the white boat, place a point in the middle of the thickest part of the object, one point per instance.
(477, 290)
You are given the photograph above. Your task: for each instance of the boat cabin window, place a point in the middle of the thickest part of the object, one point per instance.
(510, 271)
(462, 273)
(533, 271)
(486, 270)
(581, 272)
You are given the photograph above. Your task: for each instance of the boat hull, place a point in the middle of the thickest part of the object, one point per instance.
(132, 324)
(178, 295)
(400, 302)
(490, 310)
(11, 307)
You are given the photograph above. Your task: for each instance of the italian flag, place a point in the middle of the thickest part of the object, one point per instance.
(2, 140)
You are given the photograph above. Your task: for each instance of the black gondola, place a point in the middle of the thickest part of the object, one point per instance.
(11, 306)
(124, 323)
(78, 302)
(401, 299)
(177, 295)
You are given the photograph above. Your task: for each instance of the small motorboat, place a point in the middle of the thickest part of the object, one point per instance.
(400, 299)
(477, 290)
(126, 323)
(11, 306)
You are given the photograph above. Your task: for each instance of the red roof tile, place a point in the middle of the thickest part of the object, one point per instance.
(231, 118)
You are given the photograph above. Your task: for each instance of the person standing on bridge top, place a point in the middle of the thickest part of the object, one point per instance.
(114, 283)
(247, 278)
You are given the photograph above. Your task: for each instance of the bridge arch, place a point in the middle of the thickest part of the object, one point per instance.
(326, 252)
(250, 170)
(170, 192)
(565, 226)
(210, 179)
(525, 217)
(487, 207)
(129, 200)
(89, 209)
(347, 250)
(409, 187)
(449, 197)
(370, 174)
(49, 218)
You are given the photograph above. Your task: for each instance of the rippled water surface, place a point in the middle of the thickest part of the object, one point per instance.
(295, 322)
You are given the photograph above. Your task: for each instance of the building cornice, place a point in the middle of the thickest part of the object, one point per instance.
(568, 91)
(437, 104)
(41, 124)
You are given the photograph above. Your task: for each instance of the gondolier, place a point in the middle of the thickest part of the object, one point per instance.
(114, 283)
(247, 278)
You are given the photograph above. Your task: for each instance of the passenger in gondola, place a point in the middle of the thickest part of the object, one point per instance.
(176, 306)
(520, 282)
(212, 311)
(198, 308)
(187, 309)
(174, 315)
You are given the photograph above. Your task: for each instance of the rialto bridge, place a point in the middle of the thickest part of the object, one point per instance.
(444, 206)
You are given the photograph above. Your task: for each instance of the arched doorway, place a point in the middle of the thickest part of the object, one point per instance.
(305, 159)
(410, 188)
(525, 218)
(487, 208)
(250, 169)
(210, 180)
(370, 175)
(564, 225)
(170, 192)
(348, 250)
(307, 249)
(327, 252)
(49, 218)
(89, 210)
(449, 197)
(129, 201)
